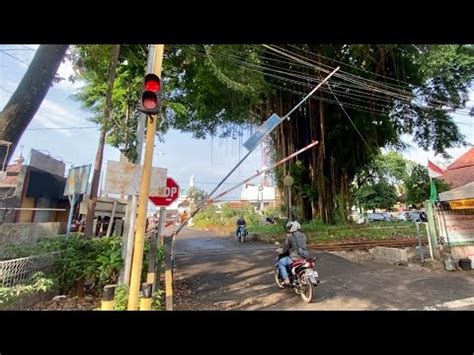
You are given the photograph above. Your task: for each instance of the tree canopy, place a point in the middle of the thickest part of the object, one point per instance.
(418, 185)
(381, 93)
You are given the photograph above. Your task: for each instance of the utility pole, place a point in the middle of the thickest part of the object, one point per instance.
(129, 232)
(137, 259)
(100, 149)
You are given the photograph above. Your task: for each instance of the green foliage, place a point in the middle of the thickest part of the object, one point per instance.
(217, 91)
(121, 299)
(211, 216)
(98, 260)
(297, 213)
(92, 67)
(271, 229)
(40, 283)
(383, 181)
(379, 195)
(20, 251)
(251, 216)
(207, 216)
(418, 185)
(392, 167)
(339, 213)
(273, 212)
(157, 303)
(318, 232)
(195, 195)
(448, 70)
(146, 257)
(202, 92)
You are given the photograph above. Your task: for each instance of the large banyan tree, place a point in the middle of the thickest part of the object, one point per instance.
(380, 93)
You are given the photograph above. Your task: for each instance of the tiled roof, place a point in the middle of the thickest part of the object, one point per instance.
(465, 160)
(12, 175)
(460, 176)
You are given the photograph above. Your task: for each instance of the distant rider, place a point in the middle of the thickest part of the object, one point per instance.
(240, 222)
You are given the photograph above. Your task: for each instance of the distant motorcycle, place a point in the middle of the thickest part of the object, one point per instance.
(303, 277)
(241, 233)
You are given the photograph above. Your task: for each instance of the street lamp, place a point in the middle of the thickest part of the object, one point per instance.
(288, 181)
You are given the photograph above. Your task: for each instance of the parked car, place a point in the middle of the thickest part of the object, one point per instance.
(403, 216)
(414, 216)
(419, 216)
(379, 217)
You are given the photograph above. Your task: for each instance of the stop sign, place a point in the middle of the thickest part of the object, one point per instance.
(171, 194)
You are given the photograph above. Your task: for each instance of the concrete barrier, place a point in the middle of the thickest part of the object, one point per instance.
(27, 233)
(392, 255)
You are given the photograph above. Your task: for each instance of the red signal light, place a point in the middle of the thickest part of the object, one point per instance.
(150, 100)
(152, 85)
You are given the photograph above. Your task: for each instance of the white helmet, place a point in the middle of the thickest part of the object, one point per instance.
(293, 226)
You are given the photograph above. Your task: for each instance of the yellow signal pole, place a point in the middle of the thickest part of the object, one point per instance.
(137, 259)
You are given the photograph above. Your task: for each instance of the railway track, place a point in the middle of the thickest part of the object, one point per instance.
(365, 245)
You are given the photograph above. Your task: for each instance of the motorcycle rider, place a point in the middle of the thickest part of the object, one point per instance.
(294, 247)
(240, 222)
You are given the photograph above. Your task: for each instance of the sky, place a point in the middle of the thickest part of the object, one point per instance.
(207, 160)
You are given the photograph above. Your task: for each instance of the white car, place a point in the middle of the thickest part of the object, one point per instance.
(379, 217)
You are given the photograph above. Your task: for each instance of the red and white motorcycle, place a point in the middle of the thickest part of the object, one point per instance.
(303, 277)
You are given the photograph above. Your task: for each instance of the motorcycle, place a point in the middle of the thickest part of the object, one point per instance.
(241, 233)
(303, 277)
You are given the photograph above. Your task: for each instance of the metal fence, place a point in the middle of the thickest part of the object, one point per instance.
(20, 271)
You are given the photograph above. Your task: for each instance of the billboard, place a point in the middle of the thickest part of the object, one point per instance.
(77, 180)
(125, 178)
(460, 228)
(467, 203)
(265, 129)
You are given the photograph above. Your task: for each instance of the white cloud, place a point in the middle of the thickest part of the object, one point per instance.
(52, 114)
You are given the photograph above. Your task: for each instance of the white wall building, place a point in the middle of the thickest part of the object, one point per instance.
(258, 195)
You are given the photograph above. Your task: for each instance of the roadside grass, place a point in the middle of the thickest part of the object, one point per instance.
(320, 233)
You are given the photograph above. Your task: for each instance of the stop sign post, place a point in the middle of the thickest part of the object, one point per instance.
(171, 194)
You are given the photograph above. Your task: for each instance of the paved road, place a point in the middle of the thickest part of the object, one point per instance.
(222, 274)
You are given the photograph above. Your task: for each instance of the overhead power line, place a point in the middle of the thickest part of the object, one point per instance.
(12, 56)
(51, 128)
